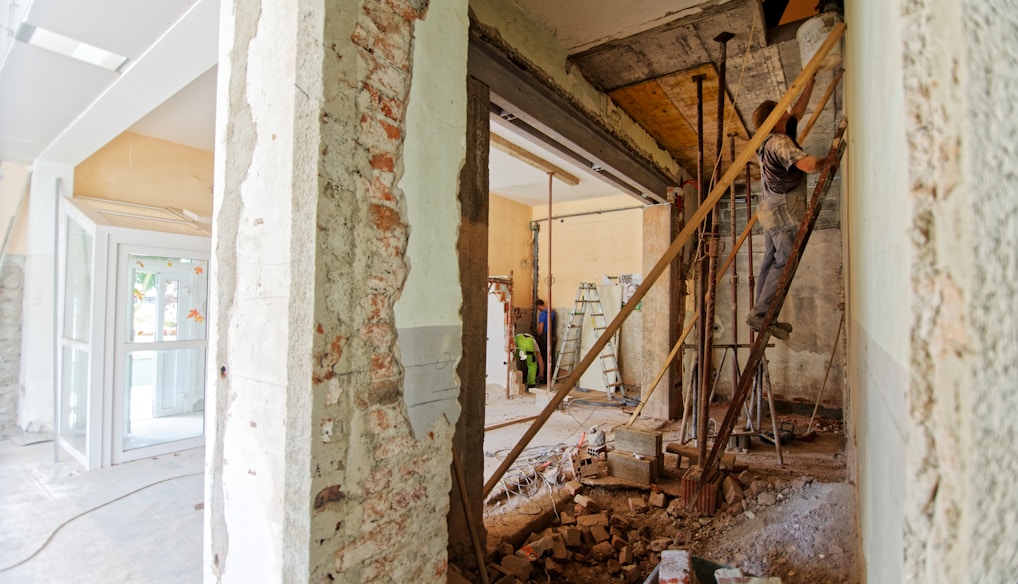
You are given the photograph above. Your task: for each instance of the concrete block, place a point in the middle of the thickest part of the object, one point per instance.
(676, 568)
(573, 487)
(626, 466)
(638, 442)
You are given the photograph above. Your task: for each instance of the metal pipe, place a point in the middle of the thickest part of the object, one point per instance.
(700, 412)
(751, 292)
(734, 277)
(548, 371)
(598, 212)
(535, 230)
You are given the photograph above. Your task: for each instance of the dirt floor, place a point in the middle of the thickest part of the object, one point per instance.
(796, 520)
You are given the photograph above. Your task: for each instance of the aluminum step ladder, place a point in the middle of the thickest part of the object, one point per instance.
(569, 348)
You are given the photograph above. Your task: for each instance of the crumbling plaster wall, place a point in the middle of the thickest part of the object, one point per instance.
(932, 246)
(548, 60)
(961, 81)
(314, 469)
(12, 283)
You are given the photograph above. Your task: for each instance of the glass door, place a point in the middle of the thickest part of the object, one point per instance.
(74, 400)
(159, 392)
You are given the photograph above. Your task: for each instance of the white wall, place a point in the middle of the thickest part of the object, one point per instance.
(875, 228)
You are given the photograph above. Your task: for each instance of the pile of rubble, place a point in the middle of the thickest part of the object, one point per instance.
(627, 543)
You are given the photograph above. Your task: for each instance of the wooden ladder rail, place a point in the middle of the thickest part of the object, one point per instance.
(831, 165)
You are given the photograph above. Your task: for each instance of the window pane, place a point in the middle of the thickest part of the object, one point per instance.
(169, 298)
(165, 399)
(77, 282)
(74, 397)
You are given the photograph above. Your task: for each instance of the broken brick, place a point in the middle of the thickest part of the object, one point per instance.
(572, 536)
(638, 505)
(602, 551)
(586, 503)
(595, 519)
(733, 492)
(657, 499)
(599, 533)
(626, 555)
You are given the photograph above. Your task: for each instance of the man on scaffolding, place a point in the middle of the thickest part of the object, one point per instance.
(783, 168)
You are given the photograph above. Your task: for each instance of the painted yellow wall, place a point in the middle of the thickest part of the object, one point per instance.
(584, 249)
(140, 169)
(510, 246)
(11, 188)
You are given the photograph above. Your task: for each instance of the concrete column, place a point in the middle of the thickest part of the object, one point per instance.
(50, 181)
(325, 460)
(660, 315)
(473, 260)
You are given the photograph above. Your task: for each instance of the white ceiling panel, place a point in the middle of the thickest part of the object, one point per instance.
(187, 118)
(41, 104)
(125, 27)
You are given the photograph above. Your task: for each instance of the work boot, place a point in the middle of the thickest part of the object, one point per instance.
(778, 330)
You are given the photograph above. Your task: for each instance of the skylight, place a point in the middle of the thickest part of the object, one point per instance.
(58, 43)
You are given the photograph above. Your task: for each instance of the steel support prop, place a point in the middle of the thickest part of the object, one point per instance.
(666, 259)
(700, 413)
(734, 278)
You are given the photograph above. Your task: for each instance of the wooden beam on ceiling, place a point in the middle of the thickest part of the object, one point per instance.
(520, 153)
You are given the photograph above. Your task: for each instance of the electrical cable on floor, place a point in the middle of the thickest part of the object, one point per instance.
(87, 511)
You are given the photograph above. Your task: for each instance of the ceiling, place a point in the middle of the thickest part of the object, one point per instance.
(643, 53)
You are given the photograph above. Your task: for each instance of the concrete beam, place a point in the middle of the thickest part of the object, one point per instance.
(521, 96)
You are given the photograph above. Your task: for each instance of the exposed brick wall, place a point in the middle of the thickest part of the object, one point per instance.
(12, 283)
(315, 474)
(381, 495)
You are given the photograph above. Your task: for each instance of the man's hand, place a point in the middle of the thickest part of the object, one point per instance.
(799, 109)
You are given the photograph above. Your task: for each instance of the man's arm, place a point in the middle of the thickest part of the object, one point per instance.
(809, 164)
(540, 328)
(799, 109)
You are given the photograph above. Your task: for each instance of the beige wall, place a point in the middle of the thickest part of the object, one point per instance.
(12, 187)
(584, 249)
(140, 169)
(510, 247)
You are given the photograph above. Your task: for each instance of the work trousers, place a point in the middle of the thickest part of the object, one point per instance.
(780, 216)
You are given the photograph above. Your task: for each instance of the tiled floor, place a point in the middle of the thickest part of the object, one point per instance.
(134, 522)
